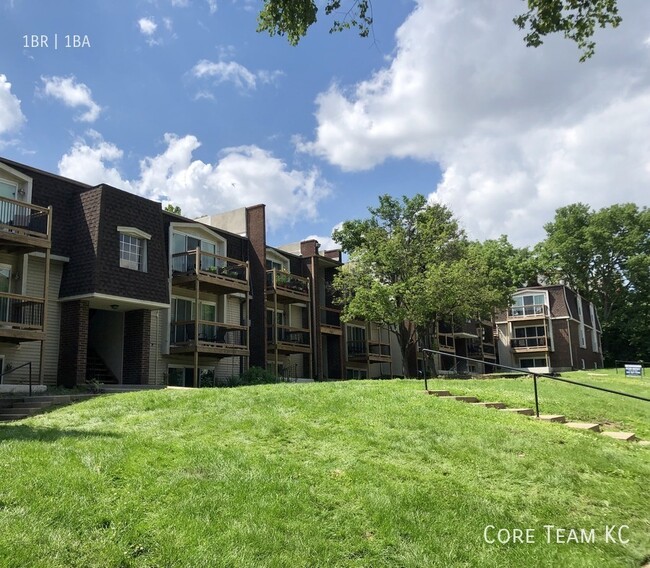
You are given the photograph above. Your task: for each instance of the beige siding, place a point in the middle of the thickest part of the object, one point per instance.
(26, 352)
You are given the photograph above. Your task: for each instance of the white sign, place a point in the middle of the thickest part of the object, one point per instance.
(633, 370)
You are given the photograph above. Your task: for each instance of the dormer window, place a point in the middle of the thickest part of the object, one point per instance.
(133, 248)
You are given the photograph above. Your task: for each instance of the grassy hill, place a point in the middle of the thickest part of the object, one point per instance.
(339, 474)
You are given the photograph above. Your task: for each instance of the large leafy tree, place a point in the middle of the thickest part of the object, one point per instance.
(577, 20)
(410, 265)
(605, 255)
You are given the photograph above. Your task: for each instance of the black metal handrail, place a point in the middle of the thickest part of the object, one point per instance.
(3, 374)
(535, 377)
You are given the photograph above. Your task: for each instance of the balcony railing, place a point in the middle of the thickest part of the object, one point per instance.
(489, 348)
(528, 342)
(528, 311)
(286, 334)
(21, 312)
(20, 219)
(217, 334)
(363, 349)
(209, 265)
(330, 317)
(282, 281)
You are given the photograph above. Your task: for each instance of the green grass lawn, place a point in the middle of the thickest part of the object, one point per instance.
(575, 402)
(358, 473)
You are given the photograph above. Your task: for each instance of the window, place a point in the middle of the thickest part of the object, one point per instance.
(531, 336)
(581, 336)
(133, 248)
(356, 340)
(356, 373)
(183, 262)
(8, 189)
(528, 305)
(532, 362)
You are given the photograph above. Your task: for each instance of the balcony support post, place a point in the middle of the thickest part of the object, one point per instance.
(46, 287)
(196, 330)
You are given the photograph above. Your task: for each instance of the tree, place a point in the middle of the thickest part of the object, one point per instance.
(171, 208)
(605, 255)
(410, 266)
(576, 19)
(293, 17)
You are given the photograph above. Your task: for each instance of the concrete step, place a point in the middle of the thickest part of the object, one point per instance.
(524, 411)
(583, 426)
(32, 404)
(439, 392)
(552, 417)
(7, 416)
(490, 404)
(465, 398)
(625, 436)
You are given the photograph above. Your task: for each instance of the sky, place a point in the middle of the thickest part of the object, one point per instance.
(182, 101)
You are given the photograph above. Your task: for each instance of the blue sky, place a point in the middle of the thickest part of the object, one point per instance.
(182, 101)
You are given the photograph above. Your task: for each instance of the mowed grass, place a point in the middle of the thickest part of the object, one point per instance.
(359, 473)
(577, 403)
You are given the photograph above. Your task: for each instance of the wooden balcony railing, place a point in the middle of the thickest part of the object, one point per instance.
(20, 221)
(215, 334)
(281, 281)
(529, 343)
(212, 265)
(21, 312)
(330, 317)
(536, 311)
(286, 334)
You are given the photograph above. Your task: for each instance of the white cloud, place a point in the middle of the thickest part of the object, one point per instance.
(233, 72)
(147, 26)
(242, 176)
(326, 242)
(11, 115)
(212, 5)
(180, 3)
(73, 95)
(516, 131)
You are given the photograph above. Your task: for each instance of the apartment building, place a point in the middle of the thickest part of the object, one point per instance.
(99, 284)
(549, 329)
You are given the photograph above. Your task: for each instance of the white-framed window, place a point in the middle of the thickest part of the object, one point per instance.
(528, 305)
(581, 336)
(8, 189)
(184, 243)
(133, 248)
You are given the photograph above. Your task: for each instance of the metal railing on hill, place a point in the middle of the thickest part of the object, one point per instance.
(535, 376)
(7, 372)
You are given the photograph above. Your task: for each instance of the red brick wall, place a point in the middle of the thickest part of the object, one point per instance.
(137, 347)
(73, 346)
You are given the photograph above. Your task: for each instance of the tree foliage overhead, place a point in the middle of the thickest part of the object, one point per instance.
(411, 265)
(294, 17)
(605, 255)
(576, 19)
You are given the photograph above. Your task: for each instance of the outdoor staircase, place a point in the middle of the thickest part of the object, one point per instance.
(24, 407)
(558, 418)
(96, 369)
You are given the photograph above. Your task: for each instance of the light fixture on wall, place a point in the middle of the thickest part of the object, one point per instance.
(114, 306)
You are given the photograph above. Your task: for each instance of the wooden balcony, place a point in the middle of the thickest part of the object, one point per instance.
(21, 318)
(529, 344)
(24, 226)
(216, 274)
(288, 288)
(214, 338)
(368, 352)
(330, 321)
(527, 312)
(288, 340)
